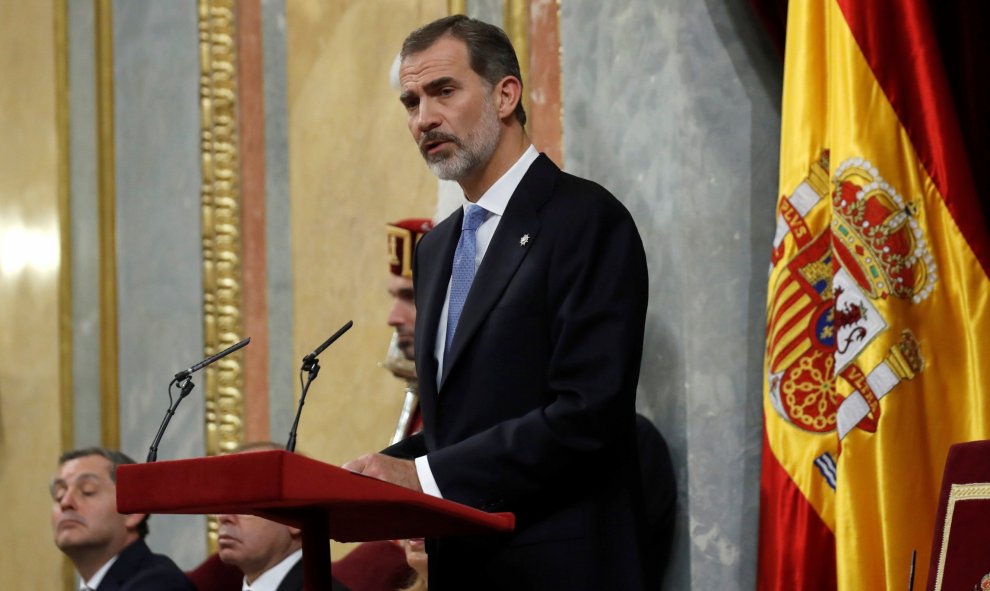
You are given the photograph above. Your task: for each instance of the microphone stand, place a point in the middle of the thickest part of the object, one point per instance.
(184, 380)
(311, 366)
(186, 386)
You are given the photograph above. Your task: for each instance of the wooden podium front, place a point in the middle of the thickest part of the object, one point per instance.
(323, 501)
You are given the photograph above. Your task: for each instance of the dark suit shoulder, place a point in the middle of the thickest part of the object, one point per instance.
(581, 196)
(138, 569)
(293, 580)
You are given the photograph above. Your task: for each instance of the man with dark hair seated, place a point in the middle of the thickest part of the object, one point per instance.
(107, 548)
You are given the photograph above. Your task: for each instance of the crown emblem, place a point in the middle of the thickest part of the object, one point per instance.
(877, 236)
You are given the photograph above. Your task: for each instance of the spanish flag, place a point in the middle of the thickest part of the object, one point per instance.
(878, 314)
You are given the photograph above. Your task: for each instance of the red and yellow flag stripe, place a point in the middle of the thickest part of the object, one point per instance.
(866, 392)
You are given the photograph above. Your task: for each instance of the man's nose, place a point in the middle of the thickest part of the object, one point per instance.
(225, 518)
(396, 316)
(427, 117)
(68, 499)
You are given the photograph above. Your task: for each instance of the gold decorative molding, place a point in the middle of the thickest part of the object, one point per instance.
(66, 407)
(515, 19)
(106, 161)
(456, 6)
(221, 227)
(66, 410)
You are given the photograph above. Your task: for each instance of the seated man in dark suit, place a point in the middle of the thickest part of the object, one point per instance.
(107, 548)
(268, 553)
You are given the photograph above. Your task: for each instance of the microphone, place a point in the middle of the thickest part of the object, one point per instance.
(211, 359)
(184, 380)
(311, 365)
(310, 359)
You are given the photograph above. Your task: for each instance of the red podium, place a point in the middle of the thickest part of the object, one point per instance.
(322, 500)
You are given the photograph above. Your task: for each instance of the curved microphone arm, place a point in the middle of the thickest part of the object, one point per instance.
(185, 387)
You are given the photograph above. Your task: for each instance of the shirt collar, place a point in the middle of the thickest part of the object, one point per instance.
(496, 198)
(97, 577)
(272, 578)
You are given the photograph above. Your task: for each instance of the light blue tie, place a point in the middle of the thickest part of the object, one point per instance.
(462, 273)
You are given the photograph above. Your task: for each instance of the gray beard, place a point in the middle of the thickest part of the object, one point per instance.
(468, 155)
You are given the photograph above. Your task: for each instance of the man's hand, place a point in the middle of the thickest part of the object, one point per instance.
(387, 468)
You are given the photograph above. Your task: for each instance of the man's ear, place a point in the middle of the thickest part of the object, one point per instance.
(509, 93)
(133, 520)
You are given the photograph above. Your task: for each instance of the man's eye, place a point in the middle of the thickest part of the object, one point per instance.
(447, 91)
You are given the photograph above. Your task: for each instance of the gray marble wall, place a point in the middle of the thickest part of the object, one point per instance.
(84, 229)
(674, 106)
(282, 367)
(159, 268)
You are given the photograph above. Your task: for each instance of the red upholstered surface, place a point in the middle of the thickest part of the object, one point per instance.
(294, 489)
(214, 575)
(373, 566)
(967, 560)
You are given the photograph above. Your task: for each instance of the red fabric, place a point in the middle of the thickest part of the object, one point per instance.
(966, 559)
(963, 31)
(772, 14)
(797, 550)
(214, 575)
(898, 42)
(374, 566)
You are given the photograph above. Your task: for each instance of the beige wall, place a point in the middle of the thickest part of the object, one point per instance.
(29, 263)
(353, 167)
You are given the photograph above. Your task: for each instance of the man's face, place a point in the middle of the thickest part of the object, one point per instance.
(84, 511)
(452, 112)
(403, 315)
(254, 544)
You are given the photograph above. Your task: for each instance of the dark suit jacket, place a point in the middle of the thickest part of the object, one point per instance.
(293, 580)
(660, 494)
(137, 569)
(535, 414)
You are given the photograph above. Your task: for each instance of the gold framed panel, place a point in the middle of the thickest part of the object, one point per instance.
(106, 187)
(221, 230)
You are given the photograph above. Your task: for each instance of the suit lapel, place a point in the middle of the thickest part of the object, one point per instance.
(516, 231)
(293, 580)
(125, 566)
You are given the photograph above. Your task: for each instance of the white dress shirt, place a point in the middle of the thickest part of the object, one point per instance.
(97, 577)
(495, 200)
(272, 578)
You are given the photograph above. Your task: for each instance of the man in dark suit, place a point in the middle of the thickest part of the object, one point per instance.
(531, 306)
(268, 553)
(107, 548)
